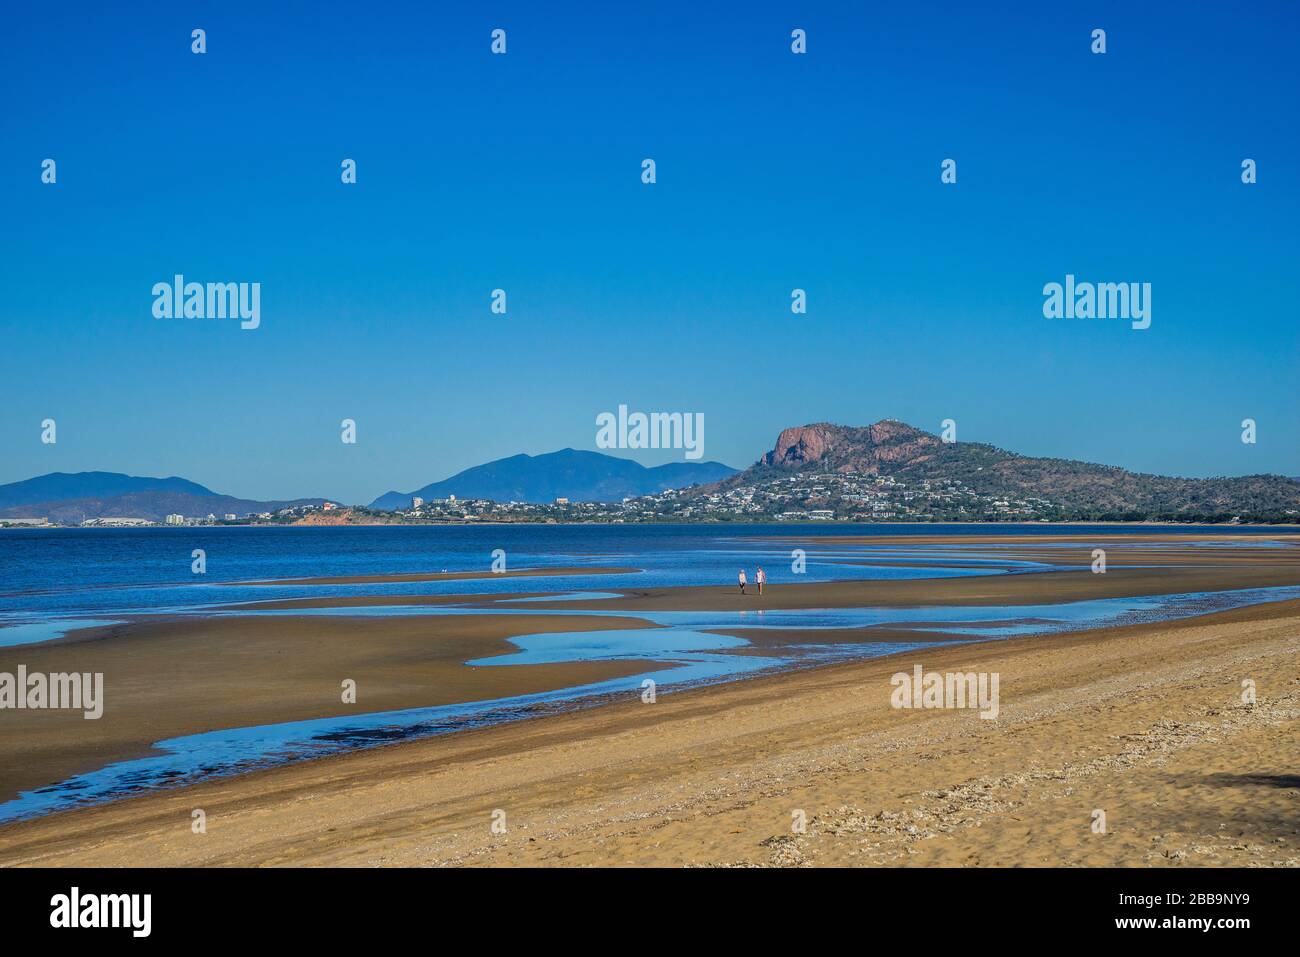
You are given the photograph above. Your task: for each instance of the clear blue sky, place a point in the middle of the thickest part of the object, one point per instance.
(522, 171)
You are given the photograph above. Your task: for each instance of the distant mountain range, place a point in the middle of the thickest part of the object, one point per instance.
(71, 498)
(966, 480)
(61, 486)
(569, 473)
(68, 498)
(1076, 489)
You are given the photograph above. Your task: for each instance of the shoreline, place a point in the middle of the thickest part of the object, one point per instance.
(709, 776)
(775, 523)
(172, 678)
(180, 676)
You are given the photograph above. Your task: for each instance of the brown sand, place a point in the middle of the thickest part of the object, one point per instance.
(1043, 587)
(370, 601)
(1130, 573)
(176, 677)
(1134, 717)
(1145, 723)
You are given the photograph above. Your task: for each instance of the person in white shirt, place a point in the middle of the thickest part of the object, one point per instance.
(742, 581)
(759, 578)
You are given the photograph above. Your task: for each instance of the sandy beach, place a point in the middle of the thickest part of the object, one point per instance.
(1145, 723)
(175, 677)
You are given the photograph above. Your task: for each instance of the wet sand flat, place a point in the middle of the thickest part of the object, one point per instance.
(777, 641)
(168, 677)
(1284, 533)
(787, 592)
(1145, 723)
(438, 576)
(376, 601)
(1008, 589)
(164, 679)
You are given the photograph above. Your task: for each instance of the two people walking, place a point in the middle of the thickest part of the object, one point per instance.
(760, 579)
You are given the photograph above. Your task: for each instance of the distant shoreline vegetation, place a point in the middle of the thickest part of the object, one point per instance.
(481, 512)
(885, 472)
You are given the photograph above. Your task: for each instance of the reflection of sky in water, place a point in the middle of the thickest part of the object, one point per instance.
(701, 569)
(696, 656)
(1057, 616)
(565, 596)
(653, 644)
(655, 569)
(197, 757)
(35, 632)
(106, 572)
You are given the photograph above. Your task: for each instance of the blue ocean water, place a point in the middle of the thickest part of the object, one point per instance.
(49, 572)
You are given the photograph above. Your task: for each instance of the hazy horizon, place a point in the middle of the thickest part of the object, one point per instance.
(416, 486)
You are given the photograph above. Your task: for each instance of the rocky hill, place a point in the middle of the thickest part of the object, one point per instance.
(1075, 489)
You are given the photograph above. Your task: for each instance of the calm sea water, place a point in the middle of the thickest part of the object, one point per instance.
(55, 572)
